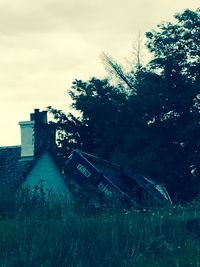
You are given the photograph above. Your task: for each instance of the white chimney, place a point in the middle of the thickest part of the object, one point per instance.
(27, 138)
(36, 134)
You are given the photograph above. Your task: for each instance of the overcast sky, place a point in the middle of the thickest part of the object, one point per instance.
(45, 44)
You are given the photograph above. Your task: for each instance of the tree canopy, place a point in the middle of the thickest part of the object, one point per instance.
(175, 46)
(151, 120)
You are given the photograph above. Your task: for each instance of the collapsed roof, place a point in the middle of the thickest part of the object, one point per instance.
(113, 181)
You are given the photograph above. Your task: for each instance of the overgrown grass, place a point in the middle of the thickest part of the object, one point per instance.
(40, 233)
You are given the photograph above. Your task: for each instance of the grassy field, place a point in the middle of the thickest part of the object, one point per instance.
(37, 233)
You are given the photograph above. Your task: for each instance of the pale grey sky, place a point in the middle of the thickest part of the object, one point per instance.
(45, 44)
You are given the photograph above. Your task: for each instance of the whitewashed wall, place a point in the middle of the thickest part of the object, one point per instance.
(46, 173)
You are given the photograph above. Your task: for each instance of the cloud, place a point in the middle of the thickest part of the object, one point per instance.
(27, 16)
(45, 44)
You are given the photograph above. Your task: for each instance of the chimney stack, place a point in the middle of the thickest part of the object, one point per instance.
(36, 134)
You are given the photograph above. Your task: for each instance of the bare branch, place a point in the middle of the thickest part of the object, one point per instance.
(118, 70)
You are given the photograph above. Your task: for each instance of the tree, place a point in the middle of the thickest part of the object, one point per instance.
(149, 120)
(170, 145)
(99, 126)
(176, 51)
(164, 142)
(175, 46)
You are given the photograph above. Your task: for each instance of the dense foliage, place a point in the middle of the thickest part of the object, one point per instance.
(149, 121)
(175, 46)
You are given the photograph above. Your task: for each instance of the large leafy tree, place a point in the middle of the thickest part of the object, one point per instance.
(168, 141)
(150, 120)
(99, 126)
(167, 99)
(175, 46)
(165, 143)
(176, 51)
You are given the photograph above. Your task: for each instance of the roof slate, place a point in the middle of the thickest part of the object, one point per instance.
(13, 169)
